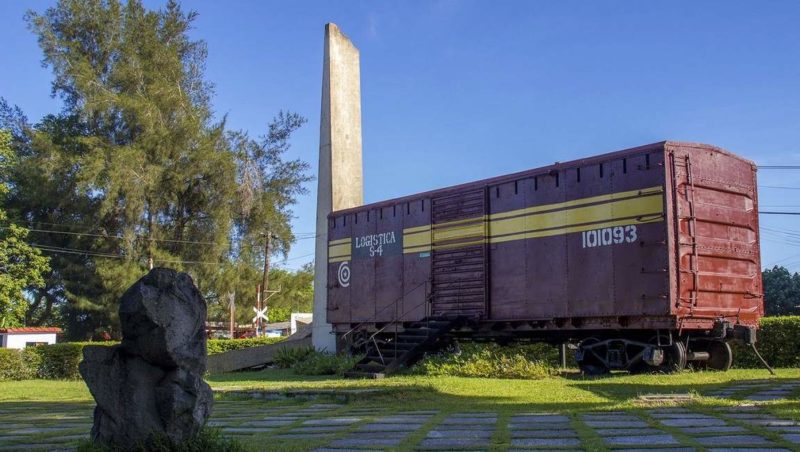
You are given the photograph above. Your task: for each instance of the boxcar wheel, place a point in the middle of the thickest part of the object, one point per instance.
(591, 364)
(720, 356)
(674, 358)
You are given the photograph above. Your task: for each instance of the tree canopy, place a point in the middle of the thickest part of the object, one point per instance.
(135, 170)
(21, 266)
(781, 291)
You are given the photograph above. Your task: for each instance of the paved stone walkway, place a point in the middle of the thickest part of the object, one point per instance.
(342, 427)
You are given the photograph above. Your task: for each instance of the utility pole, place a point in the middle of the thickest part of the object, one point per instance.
(232, 306)
(265, 277)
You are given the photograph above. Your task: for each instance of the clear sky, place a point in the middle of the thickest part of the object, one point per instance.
(454, 91)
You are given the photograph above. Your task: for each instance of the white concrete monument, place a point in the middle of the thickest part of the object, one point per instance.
(340, 179)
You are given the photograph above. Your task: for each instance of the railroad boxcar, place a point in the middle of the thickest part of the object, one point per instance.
(646, 258)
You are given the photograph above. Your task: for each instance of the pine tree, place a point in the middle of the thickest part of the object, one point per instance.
(137, 163)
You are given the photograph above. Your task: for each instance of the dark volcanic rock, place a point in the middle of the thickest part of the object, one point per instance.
(152, 384)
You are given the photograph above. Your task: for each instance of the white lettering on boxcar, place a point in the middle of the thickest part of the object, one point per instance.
(374, 242)
(609, 236)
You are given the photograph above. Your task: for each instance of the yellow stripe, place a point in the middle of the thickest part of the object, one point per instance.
(338, 250)
(340, 241)
(460, 232)
(416, 249)
(426, 227)
(589, 214)
(410, 241)
(331, 260)
(577, 202)
(571, 229)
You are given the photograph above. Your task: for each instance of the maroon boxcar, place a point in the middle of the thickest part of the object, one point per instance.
(648, 256)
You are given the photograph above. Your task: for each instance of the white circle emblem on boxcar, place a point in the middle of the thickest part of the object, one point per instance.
(344, 274)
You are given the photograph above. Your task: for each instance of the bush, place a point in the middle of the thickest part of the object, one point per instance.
(288, 357)
(318, 363)
(224, 345)
(18, 364)
(778, 341)
(60, 361)
(490, 360)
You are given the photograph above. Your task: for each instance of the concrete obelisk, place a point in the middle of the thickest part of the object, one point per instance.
(340, 179)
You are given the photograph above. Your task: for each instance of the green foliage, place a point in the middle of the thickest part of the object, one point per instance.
(135, 167)
(490, 360)
(778, 341)
(224, 345)
(60, 361)
(209, 439)
(318, 363)
(781, 291)
(21, 265)
(19, 364)
(288, 357)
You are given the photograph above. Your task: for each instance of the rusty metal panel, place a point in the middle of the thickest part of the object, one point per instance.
(388, 257)
(340, 233)
(416, 258)
(716, 235)
(663, 234)
(458, 265)
(362, 281)
(508, 261)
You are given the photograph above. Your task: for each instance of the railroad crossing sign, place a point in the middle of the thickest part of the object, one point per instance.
(262, 314)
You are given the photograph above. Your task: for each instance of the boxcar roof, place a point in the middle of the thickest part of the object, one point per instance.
(535, 172)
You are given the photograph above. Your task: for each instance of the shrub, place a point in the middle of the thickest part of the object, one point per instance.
(778, 341)
(224, 345)
(318, 363)
(490, 360)
(18, 364)
(60, 361)
(288, 357)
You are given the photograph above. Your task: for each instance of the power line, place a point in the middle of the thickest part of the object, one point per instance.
(778, 213)
(779, 187)
(116, 237)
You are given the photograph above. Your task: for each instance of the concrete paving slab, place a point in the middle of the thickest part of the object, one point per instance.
(401, 419)
(460, 433)
(379, 427)
(303, 436)
(616, 424)
(545, 442)
(526, 426)
(470, 420)
(628, 431)
(733, 440)
(248, 430)
(748, 449)
(784, 428)
(323, 429)
(791, 437)
(333, 421)
(666, 449)
(641, 440)
(692, 422)
(712, 429)
(540, 418)
(358, 442)
(680, 416)
(543, 434)
(449, 443)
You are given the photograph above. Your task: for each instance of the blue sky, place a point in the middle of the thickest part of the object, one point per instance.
(454, 91)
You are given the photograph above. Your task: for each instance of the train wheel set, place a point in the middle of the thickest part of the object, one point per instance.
(662, 353)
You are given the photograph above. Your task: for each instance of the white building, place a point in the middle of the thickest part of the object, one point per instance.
(27, 336)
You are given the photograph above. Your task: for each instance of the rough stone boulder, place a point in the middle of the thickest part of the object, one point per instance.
(151, 385)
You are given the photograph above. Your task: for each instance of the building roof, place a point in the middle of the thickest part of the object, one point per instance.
(31, 330)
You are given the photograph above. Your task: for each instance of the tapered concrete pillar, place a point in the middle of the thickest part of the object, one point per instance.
(340, 179)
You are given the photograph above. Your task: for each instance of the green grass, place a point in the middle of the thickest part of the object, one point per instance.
(569, 393)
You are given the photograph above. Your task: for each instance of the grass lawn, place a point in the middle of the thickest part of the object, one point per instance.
(567, 393)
